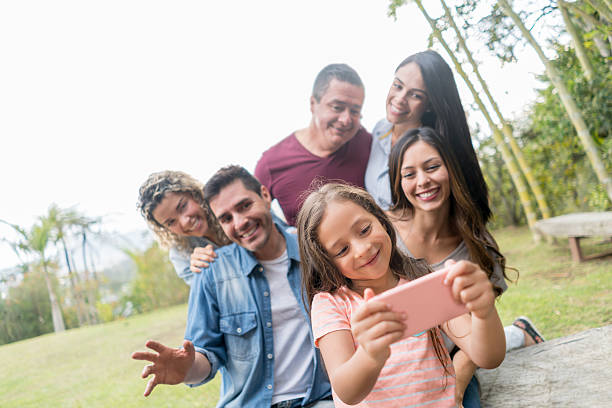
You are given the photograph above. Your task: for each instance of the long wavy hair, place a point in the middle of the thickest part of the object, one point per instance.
(464, 212)
(447, 116)
(152, 192)
(319, 274)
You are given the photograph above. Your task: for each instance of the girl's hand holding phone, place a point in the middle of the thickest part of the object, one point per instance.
(471, 286)
(376, 327)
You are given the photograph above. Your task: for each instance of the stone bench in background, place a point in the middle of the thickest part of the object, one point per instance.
(577, 226)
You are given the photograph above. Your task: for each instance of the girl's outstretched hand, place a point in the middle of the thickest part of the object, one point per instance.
(471, 286)
(376, 327)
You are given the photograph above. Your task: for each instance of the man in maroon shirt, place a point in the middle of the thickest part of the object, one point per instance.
(333, 147)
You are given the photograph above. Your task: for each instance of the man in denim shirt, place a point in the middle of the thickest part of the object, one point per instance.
(246, 316)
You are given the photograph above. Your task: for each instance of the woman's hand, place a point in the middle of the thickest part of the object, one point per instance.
(471, 286)
(376, 327)
(201, 258)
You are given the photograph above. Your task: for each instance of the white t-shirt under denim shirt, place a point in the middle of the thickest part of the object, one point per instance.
(291, 335)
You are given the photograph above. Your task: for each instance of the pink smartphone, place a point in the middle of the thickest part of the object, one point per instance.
(426, 301)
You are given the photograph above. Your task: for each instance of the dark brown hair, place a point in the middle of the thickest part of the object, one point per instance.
(447, 116)
(226, 176)
(464, 212)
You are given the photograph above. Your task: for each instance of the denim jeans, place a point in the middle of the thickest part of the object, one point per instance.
(471, 396)
(326, 403)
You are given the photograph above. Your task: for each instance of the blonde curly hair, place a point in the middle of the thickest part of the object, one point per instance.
(152, 192)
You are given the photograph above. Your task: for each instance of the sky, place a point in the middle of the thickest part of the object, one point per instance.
(95, 96)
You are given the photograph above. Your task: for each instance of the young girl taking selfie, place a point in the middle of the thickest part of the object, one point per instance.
(348, 254)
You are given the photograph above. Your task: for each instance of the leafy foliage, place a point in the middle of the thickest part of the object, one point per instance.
(502, 192)
(157, 284)
(551, 145)
(26, 311)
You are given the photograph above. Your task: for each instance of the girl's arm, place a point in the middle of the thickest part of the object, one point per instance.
(479, 334)
(353, 373)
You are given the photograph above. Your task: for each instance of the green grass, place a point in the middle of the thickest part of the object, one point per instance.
(91, 367)
(559, 296)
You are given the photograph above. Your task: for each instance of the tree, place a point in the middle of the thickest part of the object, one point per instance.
(577, 41)
(36, 242)
(25, 312)
(506, 130)
(156, 284)
(60, 220)
(549, 140)
(574, 113)
(596, 29)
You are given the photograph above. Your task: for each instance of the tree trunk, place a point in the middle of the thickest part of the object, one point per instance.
(75, 291)
(499, 140)
(570, 106)
(526, 169)
(56, 311)
(495, 173)
(590, 24)
(91, 287)
(603, 10)
(589, 72)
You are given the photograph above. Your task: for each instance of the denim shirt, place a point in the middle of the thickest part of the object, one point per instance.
(230, 322)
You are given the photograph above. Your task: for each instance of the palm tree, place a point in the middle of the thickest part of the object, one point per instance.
(60, 220)
(69, 222)
(36, 241)
(91, 283)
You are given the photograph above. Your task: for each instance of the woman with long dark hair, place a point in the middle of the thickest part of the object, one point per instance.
(424, 93)
(437, 220)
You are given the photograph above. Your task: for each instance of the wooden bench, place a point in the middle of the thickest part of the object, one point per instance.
(576, 226)
(571, 371)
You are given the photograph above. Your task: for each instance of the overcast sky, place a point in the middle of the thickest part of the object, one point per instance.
(94, 96)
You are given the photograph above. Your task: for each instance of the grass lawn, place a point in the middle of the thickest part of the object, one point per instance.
(91, 367)
(559, 296)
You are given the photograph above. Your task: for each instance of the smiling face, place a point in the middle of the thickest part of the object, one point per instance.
(407, 98)
(358, 244)
(336, 117)
(425, 179)
(181, 215)
(246, 219)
